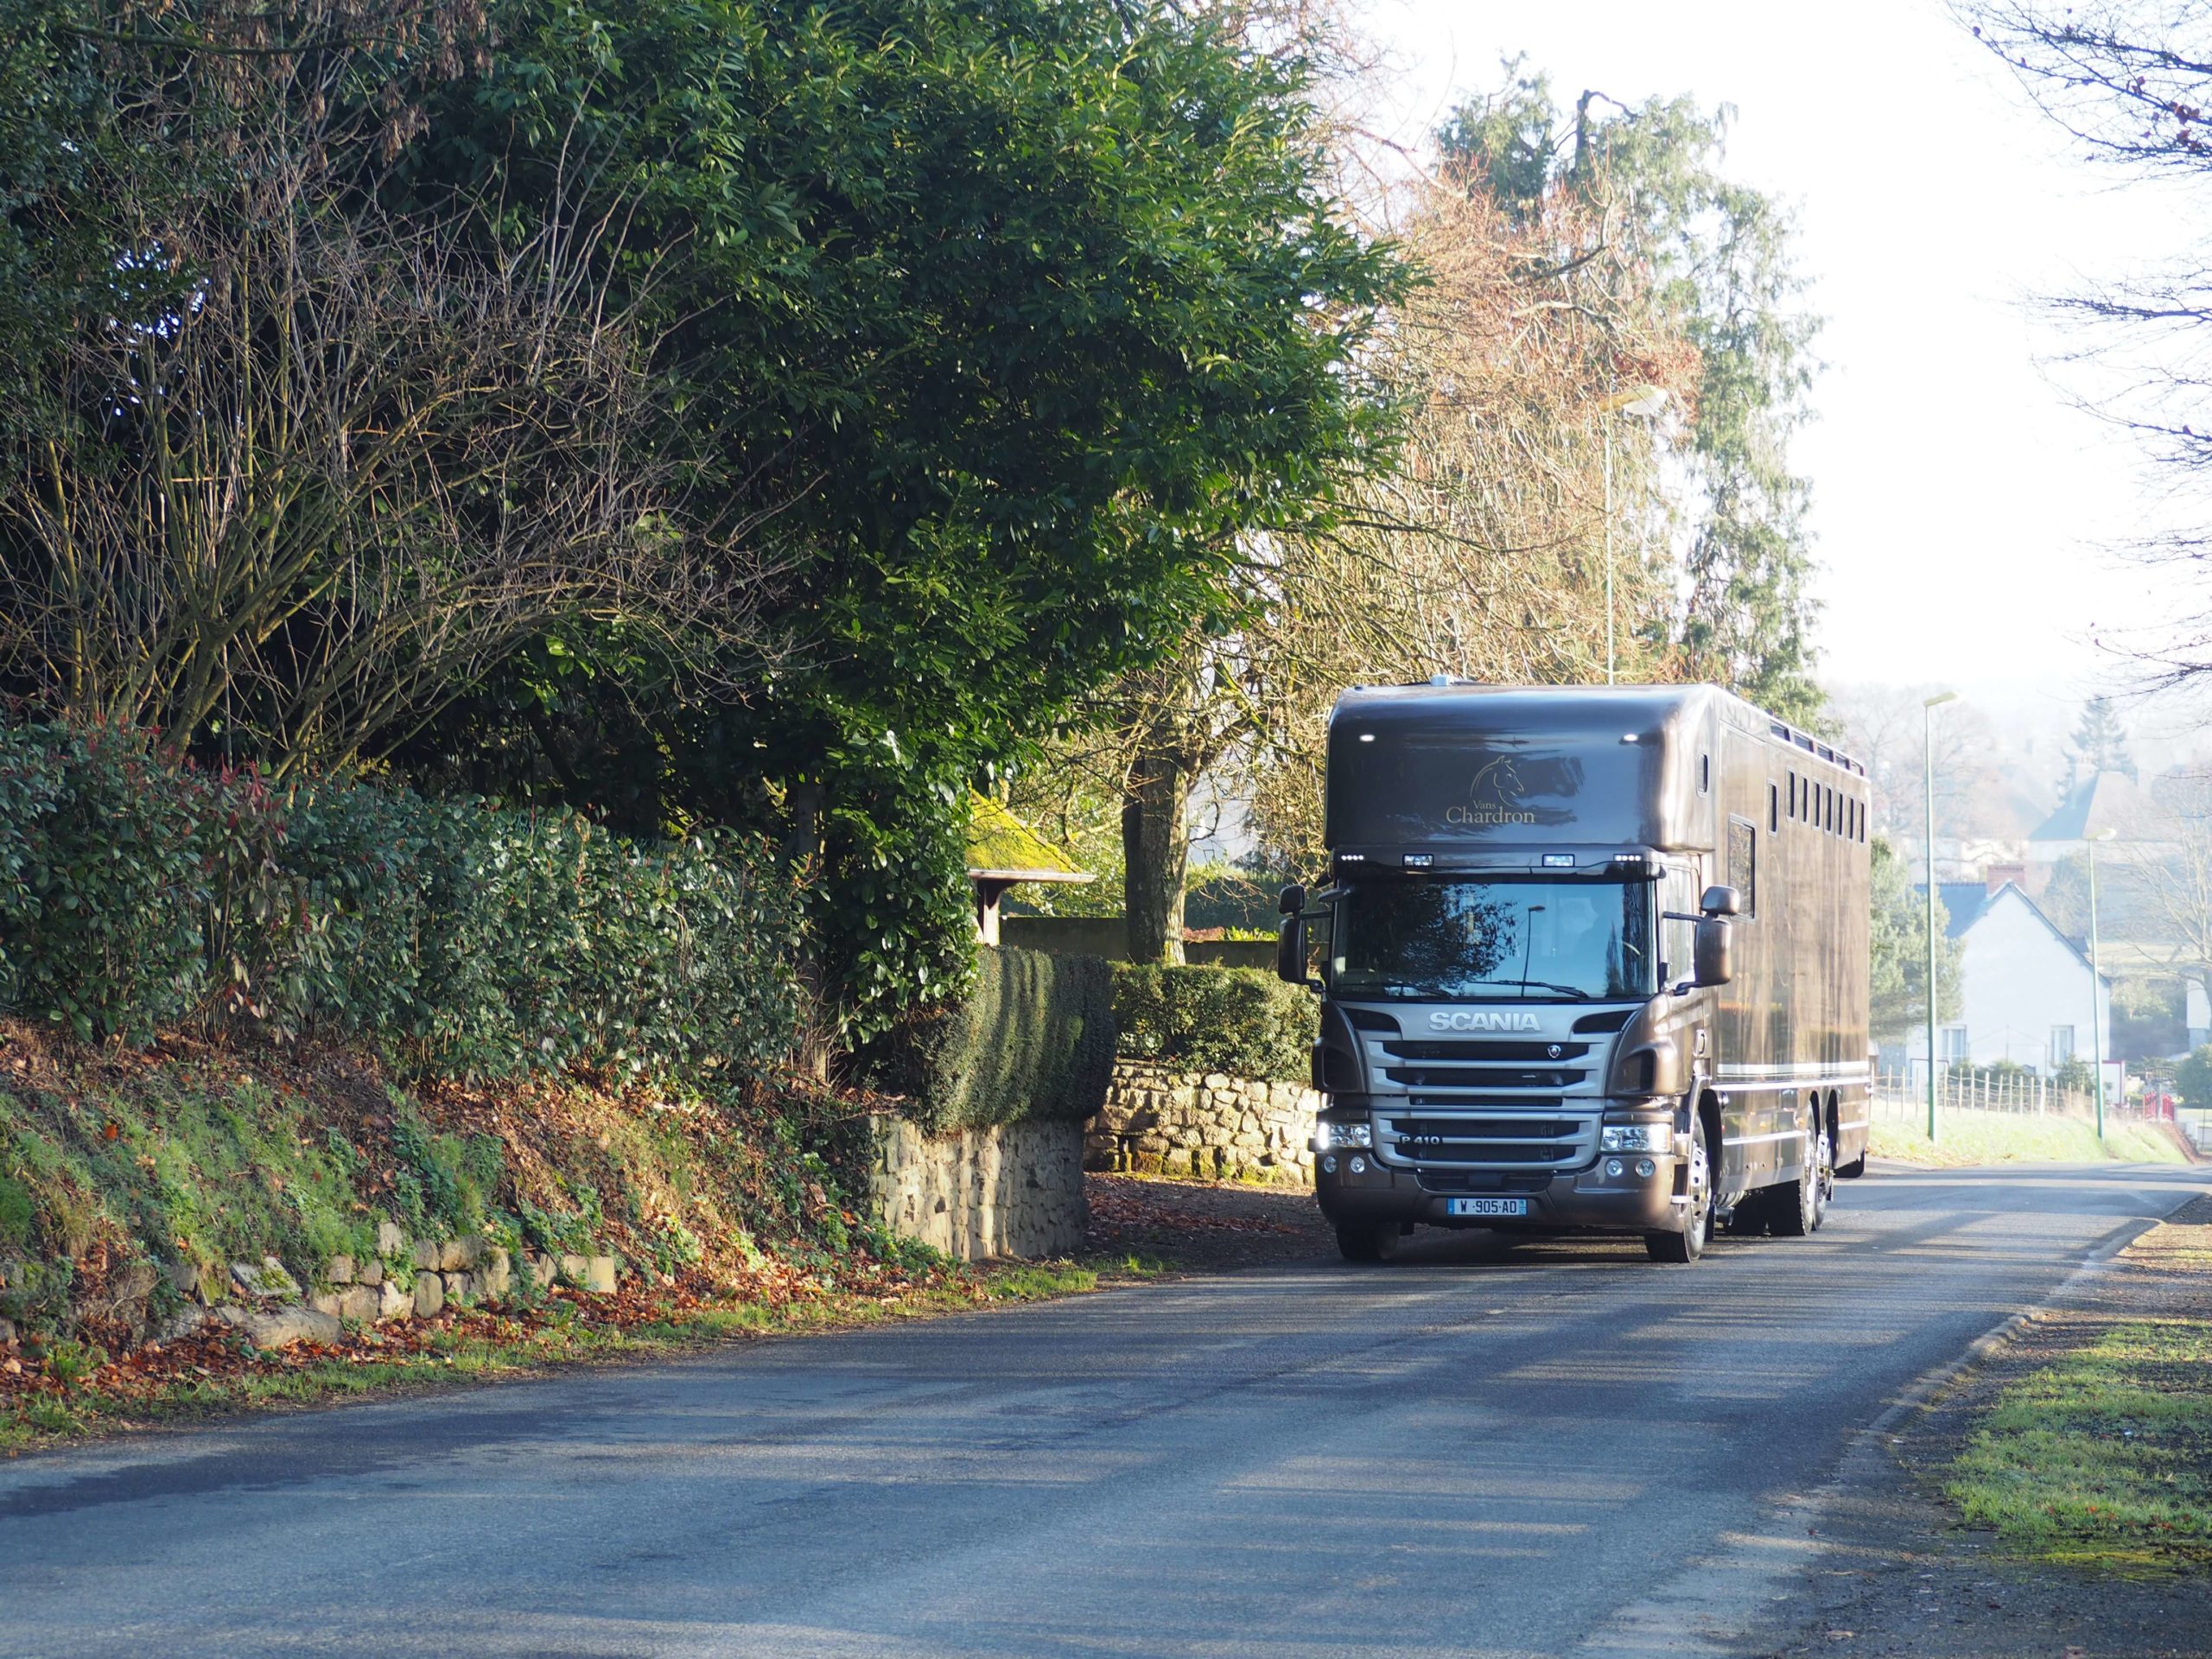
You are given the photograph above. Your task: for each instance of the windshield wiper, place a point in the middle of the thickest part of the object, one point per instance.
(1574, 991)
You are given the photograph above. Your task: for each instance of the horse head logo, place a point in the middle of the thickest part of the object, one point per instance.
(1496, 781)
(1493, 796)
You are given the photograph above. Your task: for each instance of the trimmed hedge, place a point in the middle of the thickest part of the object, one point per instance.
(137, 895)
(1033, 1040)
(1239, 1020)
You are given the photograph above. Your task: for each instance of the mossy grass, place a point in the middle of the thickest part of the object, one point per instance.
(2103, 1459)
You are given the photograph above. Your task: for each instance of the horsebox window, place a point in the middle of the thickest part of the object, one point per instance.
(1773, 808)
(1743, 863)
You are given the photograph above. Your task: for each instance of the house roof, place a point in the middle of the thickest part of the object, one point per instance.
(1963, 904)
(1967, 902)
(1002, 848)
(2107, 800)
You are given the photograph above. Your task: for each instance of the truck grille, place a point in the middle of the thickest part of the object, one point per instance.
(1501, 1138)
(1514, 1065)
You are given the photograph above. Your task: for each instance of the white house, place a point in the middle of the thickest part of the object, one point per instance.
(2026, 991)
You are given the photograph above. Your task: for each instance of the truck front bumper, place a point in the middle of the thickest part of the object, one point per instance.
(1580, 1200)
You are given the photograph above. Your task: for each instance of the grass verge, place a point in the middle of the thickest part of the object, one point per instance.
(2098, 1453)
(1975, 1137)
(2103, 1459)
(215, 1372)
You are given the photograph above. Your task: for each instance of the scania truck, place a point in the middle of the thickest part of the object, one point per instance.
(1589, 958)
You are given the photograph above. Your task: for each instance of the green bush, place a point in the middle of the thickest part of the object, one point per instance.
(138, 894)
(1033, 1038)
(1239, 1020)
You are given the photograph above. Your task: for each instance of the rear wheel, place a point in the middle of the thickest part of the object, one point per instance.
(1697, 1219)
(1796, 1211)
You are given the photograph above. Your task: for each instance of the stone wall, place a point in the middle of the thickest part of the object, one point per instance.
(416, 1278)
(1207, 1123)
(1013, 1190)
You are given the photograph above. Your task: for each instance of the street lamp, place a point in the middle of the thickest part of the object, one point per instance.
(1928, 850)
(1643, 403)
(2096, 980)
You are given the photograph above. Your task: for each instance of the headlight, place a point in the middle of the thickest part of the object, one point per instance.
(1637, 1137)
(1334, 1137)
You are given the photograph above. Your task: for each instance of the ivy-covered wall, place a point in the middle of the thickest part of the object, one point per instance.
(1238, 1020)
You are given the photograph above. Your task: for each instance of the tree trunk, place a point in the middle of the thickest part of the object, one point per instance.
(1155, 854)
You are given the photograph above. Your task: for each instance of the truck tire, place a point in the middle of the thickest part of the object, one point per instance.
(1367, 1240)
(1697, 1229)
(1796, 1210)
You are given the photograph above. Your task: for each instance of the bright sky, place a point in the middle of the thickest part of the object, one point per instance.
(1962, 507)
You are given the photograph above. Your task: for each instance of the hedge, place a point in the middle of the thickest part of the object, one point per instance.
(1033, 1040)
(138, 895)
(1239, 1020)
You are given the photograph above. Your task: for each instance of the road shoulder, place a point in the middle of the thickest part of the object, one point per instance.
(1901, 1573)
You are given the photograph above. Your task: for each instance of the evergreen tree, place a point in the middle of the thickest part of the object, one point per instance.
(2100, 741)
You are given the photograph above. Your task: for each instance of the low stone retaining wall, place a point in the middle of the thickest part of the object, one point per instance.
(1159, 1122)
(404, 1280)
(1016, 1189)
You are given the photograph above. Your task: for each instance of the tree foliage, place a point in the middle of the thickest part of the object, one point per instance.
(739, 411)
(1718, 253)
(1899, 951)
(1017, 320)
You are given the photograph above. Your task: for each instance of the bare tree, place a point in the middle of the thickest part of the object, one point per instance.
(2131, 80)
(334, 463)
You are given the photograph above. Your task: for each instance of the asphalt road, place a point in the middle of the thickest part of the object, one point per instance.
(1546, 1449)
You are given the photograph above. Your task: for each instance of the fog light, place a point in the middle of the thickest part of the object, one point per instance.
(1359, 1166)
(1645, 1169)
(1613, 1167)
(1329, 1165)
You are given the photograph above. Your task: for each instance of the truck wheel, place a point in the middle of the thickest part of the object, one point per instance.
(1697, 1226)
(1367, 1240)
(1796, 1211)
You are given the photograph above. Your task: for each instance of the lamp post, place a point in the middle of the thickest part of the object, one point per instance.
(1928, 705)
(1645, 404)
(2096, 980)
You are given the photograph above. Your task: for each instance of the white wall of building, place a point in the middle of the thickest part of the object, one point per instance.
(2022, 984)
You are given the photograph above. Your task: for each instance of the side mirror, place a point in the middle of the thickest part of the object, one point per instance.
(1721, 901)
(1713, 950)
(1292, 899)
(1290, 947)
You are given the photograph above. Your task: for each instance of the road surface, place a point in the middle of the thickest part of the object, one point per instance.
(1545, 1449)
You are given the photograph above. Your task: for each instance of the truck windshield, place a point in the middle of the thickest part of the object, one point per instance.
(1416, 936)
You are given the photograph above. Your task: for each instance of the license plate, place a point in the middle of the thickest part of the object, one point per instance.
(1486, 1206)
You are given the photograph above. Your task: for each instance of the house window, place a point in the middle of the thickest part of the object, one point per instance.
(2062, 1045)
(1954, 1046)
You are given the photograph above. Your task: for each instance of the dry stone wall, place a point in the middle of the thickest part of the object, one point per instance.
(1014, 1189)
(1158, 1122)
(405, 1278)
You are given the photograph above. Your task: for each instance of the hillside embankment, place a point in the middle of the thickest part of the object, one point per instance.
(159, 1208)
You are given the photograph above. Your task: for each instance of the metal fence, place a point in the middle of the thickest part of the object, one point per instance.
(1898, 1095)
